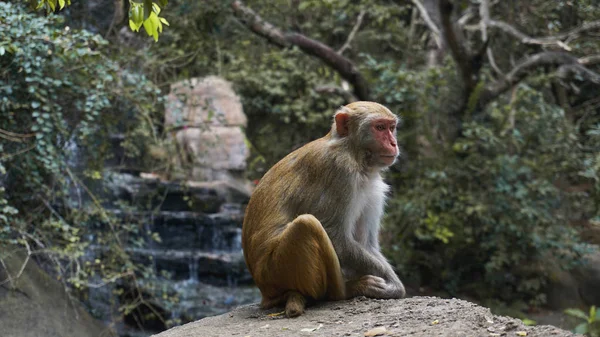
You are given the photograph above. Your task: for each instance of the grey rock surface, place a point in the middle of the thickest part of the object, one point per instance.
(416, 317)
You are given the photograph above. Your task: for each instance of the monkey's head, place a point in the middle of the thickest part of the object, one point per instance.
(369, 130)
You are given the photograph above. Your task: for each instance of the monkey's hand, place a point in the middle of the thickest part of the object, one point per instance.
(373, 287)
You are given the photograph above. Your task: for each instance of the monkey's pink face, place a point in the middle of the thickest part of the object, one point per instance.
(386, 147)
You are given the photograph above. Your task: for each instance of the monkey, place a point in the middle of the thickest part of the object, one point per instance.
(311, 226)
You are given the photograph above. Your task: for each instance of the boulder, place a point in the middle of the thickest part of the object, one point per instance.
(207, 121)
(201, 101)
(214, 152)
(415, 317)
(588, 279)
(35, 304)
(576, 288)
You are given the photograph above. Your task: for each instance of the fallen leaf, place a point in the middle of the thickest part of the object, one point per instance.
(380, 330)
(521, 333)
(435, 322)
(276, 314)
(264, 326)
(312, 329)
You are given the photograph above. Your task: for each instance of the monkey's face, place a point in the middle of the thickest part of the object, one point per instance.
(384, 147)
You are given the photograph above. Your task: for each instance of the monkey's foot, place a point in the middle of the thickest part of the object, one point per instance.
(295, 304)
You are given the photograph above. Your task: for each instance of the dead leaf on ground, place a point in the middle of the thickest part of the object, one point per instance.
(276, 314)
(378, 331)
(312, 329)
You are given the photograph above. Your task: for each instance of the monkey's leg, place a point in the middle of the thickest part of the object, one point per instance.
(306, 264)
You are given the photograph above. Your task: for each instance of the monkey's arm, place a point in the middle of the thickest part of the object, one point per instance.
(378, 278)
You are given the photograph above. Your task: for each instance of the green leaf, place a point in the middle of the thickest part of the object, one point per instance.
(2, 50)
(133, 26)
(61, 4)
(163, 20)
(581, 328)
(576, 313)
(149, 27)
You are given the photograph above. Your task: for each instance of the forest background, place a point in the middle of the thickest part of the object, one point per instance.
(498, 185)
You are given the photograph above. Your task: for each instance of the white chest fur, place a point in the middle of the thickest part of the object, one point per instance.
(366, 209)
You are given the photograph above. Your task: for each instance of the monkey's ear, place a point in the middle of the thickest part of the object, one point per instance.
(341, 123)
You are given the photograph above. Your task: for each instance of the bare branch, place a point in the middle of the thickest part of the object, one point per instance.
(344, 66)
(257, 25)
(359, 20)
(10, 278)
(568, 70)
(590, 60)
(458, 50)
(547, 40)
(484, 12)
(568, 63)
(432, 26)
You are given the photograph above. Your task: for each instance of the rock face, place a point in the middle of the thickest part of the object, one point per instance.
(199, 225)
(415, 317)
(577, 288)
(37, 305)
(208, 118)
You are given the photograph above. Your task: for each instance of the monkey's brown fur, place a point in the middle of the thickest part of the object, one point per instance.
(316, 213)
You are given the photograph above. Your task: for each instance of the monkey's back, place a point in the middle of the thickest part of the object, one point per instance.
(288, 189)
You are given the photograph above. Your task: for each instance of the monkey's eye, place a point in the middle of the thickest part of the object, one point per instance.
(393, 128)
(380, 127)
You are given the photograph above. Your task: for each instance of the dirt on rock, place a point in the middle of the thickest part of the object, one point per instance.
(415, 317)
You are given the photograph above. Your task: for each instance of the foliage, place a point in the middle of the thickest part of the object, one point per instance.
(481, 213)
(591, 325)
(62, 100)
(138, 17)
(140, 13)
(484, 215)
(280, 97)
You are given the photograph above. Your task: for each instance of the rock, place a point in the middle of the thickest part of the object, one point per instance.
(563, 290)
(207, 118)
(576, 288)
(35, 304)
(415, 317)
(153, 192)
(200, 101)
(215, 152)
(588, 279)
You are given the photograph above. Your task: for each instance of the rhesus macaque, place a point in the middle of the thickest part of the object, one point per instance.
(311, 226)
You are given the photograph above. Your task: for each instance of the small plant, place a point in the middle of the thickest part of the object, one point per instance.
(591, 326)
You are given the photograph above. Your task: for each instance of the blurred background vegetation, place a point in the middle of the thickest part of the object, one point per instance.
(498, 185)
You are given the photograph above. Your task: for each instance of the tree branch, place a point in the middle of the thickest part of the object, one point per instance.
(590, 60)
(429, 22)
(566, 64)
(341, 64)
(547, 40)
(257, 25)
(458, 50)
(484, 12)
(359, 20)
